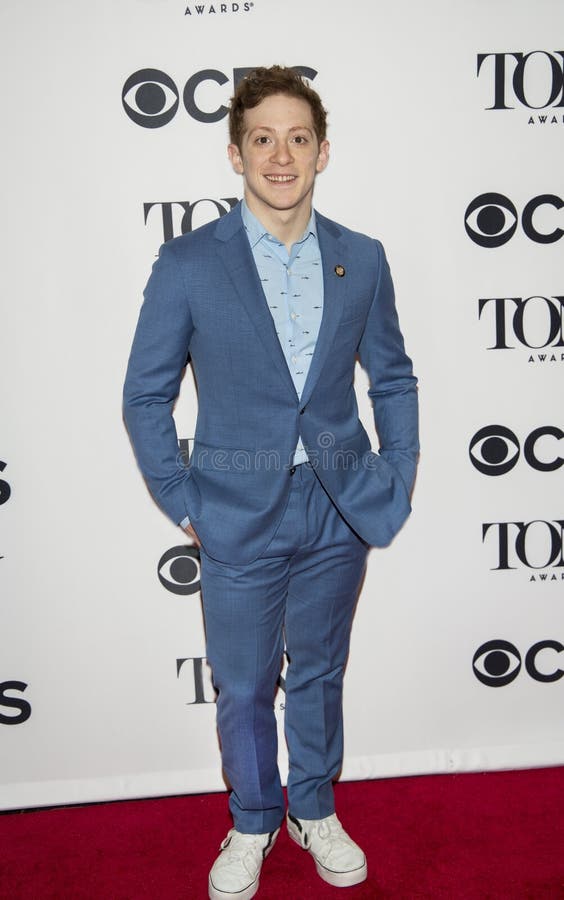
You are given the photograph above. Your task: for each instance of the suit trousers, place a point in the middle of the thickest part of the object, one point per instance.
(301, 594)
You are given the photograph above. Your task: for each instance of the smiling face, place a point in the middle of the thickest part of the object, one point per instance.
(279, 158)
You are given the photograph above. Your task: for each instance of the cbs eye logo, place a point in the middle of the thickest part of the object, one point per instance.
(150, 98)
(495, 449)
(491, 219)
(179, 570)
(497, 663)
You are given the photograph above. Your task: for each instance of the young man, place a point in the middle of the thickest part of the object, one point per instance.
(271, 304)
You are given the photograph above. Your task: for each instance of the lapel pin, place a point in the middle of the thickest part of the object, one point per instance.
(340, 271)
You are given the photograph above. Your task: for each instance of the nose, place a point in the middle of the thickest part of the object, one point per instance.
(281, 153)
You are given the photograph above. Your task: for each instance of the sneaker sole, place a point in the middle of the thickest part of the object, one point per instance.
(245, 894)
(341, 879)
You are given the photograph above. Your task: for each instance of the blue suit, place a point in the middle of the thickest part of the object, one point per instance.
(283, 549)
(204, 301)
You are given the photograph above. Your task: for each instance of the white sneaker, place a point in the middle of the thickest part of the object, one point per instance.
(235, 873)
(338, 860)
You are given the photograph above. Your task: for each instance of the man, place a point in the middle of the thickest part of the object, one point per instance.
(271, 304)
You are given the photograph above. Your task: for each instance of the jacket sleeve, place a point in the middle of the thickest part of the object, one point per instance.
(393, 386)
(158, 357)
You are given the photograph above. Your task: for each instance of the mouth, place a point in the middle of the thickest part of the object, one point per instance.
(280, 179)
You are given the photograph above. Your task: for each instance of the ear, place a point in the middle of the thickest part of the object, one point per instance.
(235, 158)
(322, 156)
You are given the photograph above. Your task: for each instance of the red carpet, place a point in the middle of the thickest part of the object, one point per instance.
(461, 837)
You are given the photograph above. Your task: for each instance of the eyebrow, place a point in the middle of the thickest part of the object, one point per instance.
(272, 130)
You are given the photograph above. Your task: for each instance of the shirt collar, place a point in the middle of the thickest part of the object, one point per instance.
(256, 230)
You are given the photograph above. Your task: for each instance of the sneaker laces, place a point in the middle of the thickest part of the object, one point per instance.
(330, 827)
(236, 847)
(336, 840)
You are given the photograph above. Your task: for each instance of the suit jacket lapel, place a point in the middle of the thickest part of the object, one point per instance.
(237, 257)
(333, 253)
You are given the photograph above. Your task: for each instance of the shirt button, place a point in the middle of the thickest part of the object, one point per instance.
(294, 359)
(293, 316)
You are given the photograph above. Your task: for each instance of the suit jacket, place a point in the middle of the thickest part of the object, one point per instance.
(204, 303)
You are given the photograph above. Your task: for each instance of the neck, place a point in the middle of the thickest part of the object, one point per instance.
(287, 225)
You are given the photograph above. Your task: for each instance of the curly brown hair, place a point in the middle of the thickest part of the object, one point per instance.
(264, 82)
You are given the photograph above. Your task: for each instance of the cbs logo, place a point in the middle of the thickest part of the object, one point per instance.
(497, 663)
(495, 449)
(491, 219)
(178, 570)
(151, 98)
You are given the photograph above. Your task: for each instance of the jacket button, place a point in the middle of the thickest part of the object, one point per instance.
(293, 470)
(302, 411)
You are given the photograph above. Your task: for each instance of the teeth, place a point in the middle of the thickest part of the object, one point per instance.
(280, 177)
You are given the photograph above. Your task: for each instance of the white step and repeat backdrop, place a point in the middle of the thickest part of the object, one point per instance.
(447, 127)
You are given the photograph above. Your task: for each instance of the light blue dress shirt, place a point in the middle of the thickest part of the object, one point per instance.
(293, 286)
